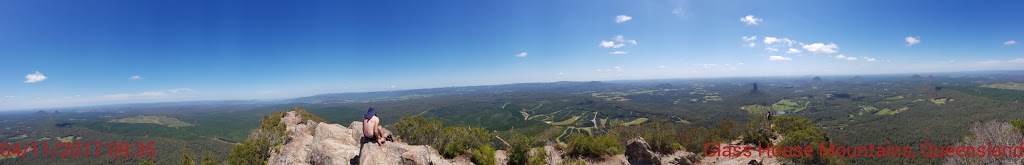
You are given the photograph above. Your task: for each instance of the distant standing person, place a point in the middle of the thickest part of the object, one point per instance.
(372, 129)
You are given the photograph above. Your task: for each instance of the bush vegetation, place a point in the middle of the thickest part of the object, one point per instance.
(539, 157)
(483, 155)
(519, 148)
(590, 146)
(270, 135)
(450, 141)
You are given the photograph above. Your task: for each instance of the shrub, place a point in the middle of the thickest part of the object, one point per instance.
(519, 146)
(590, 146)
(801, 132)
(727, 130)
(209, 159)
(483, 155)
(450, 141)
(661, 135)
(417, 130)
(575, 161)
(757, 131)
(456, 140)
(186, 158)
(270, 135)
(693, 139)
(1018, 125)
(539, 157)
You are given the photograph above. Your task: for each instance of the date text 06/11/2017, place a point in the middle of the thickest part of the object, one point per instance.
(78, 149)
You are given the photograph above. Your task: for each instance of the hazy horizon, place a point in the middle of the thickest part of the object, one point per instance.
(114, 52)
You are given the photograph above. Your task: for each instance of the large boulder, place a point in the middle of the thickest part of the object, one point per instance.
(401, 153)
(321, 143)
(639, 152)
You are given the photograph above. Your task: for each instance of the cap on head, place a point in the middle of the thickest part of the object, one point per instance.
(370, 113)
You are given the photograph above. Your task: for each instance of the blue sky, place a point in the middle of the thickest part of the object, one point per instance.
(90, 52)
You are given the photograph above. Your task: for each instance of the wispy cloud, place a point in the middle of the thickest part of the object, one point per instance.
(1010, 42)
(1011, 61)
(617, 42)
(793, 51)
(521, 54)
(34, 77)
(150, 94)
(912, 40)
(869, 59)
(622, 18)
(770, 49)
(772, 40)
(617, 52)
(751, 20)
(751, 38)
(821, 48)
(180, 90)
(135, 78)
(779, 58)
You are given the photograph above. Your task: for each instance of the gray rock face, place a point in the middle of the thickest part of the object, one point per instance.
(322, 143)
(639, 152)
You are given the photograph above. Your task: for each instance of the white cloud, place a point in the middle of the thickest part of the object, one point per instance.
(1010, 42)
(793, 51)
(34, 77)
(750, 20)
(750, 44)
(9, 97)
(120, 95)
(779, 58)
(739, 63)
(773, 40)
(751, 38)
(769, 49)
(840, 56)
(622, 18)
(851, 58)
(869, 59)
(1011, 61)
(150, 93)
(610, 44)
(821, 48)
(618, 41)
(521, 54)
(179, 90)
(617, 52)
(912, 40)
(135, 78)
(677, 11)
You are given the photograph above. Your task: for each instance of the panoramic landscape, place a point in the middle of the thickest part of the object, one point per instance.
(532, 82)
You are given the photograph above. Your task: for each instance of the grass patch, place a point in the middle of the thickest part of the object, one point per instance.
(22, 136)
(566, 122)
(1008, 85)
(941, 100)
(885, 111)
(636, 121)
(161, 120)
(787, 105)
(756, 109)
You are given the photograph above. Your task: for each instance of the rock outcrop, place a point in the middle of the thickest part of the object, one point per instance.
(639, 152)
(321, 143)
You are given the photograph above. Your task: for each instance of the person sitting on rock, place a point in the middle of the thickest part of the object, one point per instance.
(372, 130)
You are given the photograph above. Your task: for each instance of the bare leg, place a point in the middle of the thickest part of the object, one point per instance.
(378, 134)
